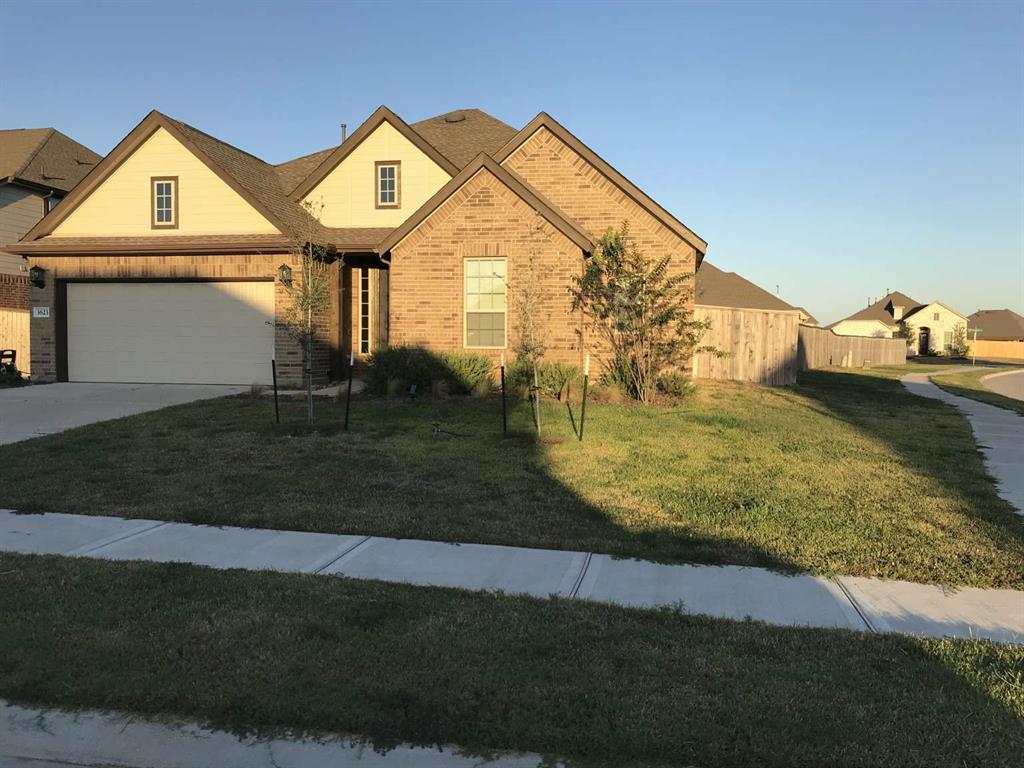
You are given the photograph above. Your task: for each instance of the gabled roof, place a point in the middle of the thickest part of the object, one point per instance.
(996, 324)
(915, 310)
(294, 171)
(374, 121)
(715, 288)
(44, 158)
(545, 208)
(544, 120)
(465, 133)
(253, 180)
(882, 310)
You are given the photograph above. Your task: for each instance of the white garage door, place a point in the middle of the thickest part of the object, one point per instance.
(180, 333)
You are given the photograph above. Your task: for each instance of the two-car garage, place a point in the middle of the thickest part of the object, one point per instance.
(180, 332)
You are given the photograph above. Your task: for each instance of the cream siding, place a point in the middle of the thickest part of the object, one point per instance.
(862, 328)
(122, 204)
(20, 209)
(349, 191)
(925, 318)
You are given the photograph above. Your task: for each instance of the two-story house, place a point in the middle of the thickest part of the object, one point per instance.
(171, 261)
(38, 166)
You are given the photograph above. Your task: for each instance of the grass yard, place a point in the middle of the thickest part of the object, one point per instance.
(843, 473)
(601, 685)
(968, 384)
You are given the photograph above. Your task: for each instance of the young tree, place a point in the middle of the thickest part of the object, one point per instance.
(640, 310)
(310, 293)
(527, 300)
(959, 346)
(904, 331)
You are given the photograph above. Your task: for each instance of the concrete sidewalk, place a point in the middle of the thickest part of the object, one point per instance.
(43, 738)
(998, 432)
(730, 592)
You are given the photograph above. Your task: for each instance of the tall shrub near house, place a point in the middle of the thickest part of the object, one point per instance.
(641, 310)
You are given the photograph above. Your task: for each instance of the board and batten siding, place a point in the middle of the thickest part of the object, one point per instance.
(760, 345)
(349, 191)
(820, 348)
(122, 204)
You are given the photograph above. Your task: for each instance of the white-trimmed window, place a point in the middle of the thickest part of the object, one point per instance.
(485, 302)
(165, 202)
(389, 180)
(364, 311)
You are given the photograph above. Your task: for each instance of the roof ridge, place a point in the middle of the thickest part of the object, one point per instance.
(32, 155)
(227, 144)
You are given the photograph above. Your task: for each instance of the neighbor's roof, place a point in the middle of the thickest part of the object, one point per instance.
(997, 324)
(465, 133)
(44, 157)
(881, 310)
(715, 288)
(810, 318)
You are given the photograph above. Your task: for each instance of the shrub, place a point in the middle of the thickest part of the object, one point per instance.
(552, 377)
(394, 369)
(675, 383)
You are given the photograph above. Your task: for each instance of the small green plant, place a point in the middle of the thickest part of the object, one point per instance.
(675, 383)
(393, 370)
(256, 391)
(552, 377)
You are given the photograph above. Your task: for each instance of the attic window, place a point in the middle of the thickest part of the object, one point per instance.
(164, 202)
(389, 181)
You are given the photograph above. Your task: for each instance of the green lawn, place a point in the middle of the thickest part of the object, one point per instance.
(968, 384)
(601, 685)
(845, 472)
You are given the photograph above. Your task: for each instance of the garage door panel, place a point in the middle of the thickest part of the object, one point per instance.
(202, 333)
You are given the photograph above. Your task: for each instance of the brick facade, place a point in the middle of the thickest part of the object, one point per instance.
(13, 292)
(482, 219)
(287, 351)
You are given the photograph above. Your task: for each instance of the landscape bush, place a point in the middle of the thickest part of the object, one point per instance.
(393, 370)
(553, 378)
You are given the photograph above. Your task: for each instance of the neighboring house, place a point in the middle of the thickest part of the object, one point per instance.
(996, 325)
(933, 327)
(806, 318)
(38, 167)
(170, 261)
(1000, 334)
(715, 288)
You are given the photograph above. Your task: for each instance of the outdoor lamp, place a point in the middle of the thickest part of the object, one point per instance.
(285, 273)
(35, 276)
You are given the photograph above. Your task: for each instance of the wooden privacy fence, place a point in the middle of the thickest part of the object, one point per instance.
(1008, 350)
(820, 347)
(761, 345)
(14, 334)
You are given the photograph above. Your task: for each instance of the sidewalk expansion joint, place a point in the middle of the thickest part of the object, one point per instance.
(579, 579)
(341, 555)
(89, 549)
(856, 606)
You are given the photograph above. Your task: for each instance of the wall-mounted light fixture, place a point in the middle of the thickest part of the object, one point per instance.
(284, 272)
(36, 277)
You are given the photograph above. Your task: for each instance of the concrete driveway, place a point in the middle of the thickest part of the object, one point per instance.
(27, 412)
(1008, 384)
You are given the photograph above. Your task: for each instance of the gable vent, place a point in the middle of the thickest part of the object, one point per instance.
(454, 117)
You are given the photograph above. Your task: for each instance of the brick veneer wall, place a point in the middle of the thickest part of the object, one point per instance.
(483, 219)
(13, 292)
(287, 351)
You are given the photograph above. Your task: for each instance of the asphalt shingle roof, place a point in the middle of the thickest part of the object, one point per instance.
(465, 133)
(716, 288)
(44, 156)
(997, 324)
(882, 310)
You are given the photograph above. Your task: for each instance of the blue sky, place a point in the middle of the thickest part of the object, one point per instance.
(832, 150)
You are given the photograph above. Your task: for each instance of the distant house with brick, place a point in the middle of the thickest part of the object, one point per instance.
(38, 167)
(933, 327)
(169, 262)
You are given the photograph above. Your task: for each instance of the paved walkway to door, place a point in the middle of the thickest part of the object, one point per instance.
(731, 592)
(999, 433)
(42, 409)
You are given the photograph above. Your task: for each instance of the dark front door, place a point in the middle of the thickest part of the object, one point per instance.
(923, 341)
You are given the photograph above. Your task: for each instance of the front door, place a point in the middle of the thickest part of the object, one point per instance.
(923, 341)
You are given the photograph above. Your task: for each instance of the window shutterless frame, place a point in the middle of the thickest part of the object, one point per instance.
(485, 303)
(163, 192)
(387, 176)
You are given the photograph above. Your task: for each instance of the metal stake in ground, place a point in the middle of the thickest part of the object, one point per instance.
(504, 412)
(536, 399)
(586, 381)
(348, 394)
(273, 374)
